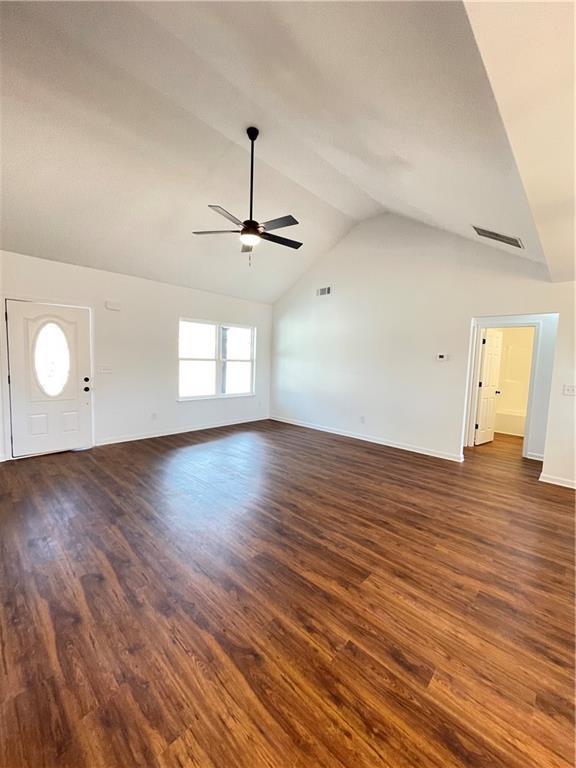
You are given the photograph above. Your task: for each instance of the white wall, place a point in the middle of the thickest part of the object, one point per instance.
(514, 380)
(140, 345)
(362, 361)
(402, 293)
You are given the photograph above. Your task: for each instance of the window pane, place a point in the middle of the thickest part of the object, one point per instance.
(197, 340)
(236, 343)
(52, 359)
(197, 378)
(237, 378)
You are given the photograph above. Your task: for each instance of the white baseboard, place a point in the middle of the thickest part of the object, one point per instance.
(511, 423)
(535, 456)
(372, 439)
(564, 481)
(512, 434)
(214, 425)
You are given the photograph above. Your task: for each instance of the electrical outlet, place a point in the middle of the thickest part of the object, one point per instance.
(569, 389)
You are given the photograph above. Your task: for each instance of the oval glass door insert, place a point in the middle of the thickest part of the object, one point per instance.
(52, 359)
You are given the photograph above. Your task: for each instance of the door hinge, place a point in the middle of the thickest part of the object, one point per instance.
(483, 341)
(475, 426)
(6, 316)
(8, 378)
(479, 383)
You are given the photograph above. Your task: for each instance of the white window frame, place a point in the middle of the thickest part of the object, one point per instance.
(219, 360)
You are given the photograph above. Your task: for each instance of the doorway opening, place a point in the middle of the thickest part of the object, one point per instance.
(510, 375)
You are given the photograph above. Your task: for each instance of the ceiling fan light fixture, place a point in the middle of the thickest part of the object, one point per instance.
(252, 231)
(249, 238)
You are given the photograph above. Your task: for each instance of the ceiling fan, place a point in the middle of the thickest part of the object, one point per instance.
(251, 231)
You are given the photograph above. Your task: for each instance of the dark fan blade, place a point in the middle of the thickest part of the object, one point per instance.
(246, 249)
(280, 240)
(217, 232)
(224, 212)
(283, 221)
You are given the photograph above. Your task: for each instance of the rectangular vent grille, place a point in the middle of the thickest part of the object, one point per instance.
(324, 291)
(515, 241)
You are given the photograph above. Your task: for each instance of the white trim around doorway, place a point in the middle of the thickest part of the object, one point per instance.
(505, 321)
(6, 421)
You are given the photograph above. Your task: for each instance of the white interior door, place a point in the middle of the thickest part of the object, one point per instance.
(489, 378)
(50, 377)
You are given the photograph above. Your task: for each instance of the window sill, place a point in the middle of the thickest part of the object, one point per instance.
(212, 397)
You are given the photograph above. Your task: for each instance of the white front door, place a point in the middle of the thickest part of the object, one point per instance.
(50, 377)
(489, 378)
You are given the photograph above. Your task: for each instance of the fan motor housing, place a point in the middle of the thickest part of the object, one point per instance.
(251, 227)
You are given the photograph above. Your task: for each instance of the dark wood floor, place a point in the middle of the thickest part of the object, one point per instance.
(267, 596)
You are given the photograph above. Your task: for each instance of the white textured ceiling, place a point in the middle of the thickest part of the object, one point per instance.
(123, 121)
(528, 51)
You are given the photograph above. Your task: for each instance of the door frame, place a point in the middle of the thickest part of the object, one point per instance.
(474, 368)
(6, 436)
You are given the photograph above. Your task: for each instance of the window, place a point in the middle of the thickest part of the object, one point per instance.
(215, 360)
(236, 360)
(52, 359)
(197, 354)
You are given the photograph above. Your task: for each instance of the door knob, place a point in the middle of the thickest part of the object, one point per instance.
(498, 392)
(86, 389)
(86, 378)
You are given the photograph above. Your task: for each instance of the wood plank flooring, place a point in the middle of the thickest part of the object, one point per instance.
(267, 596)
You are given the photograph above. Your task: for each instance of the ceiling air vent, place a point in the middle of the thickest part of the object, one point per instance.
(324, 291)
(515, 241)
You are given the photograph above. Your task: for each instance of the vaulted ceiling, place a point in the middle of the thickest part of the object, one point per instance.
(528, 52)
(123, 121)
